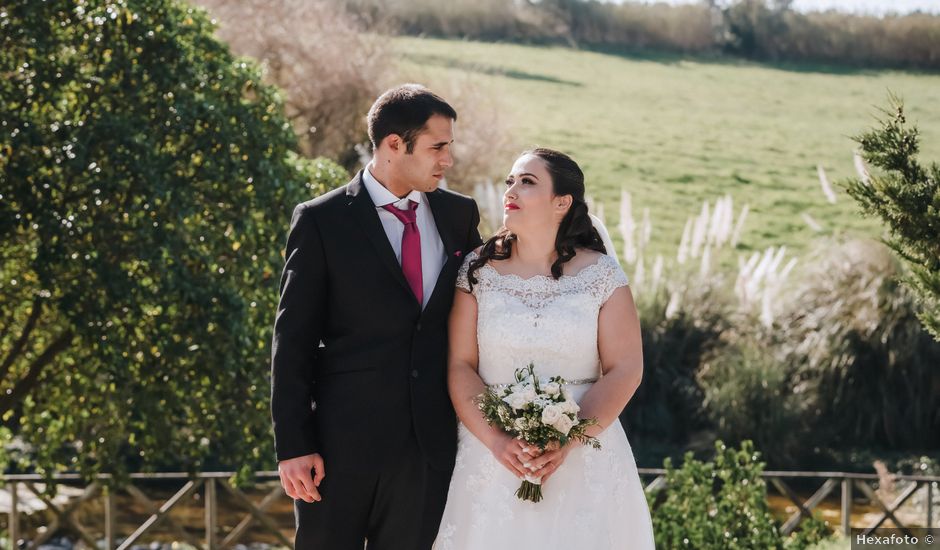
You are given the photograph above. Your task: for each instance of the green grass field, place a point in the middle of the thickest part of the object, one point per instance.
(677, 131)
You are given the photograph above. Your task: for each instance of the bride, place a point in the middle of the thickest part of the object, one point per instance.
(543, 291)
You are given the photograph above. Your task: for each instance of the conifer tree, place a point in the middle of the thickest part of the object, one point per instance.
(906, 195)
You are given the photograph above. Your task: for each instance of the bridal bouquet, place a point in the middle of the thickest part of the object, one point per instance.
(539, 413)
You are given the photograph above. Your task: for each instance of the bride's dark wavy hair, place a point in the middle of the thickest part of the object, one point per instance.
(576, 230)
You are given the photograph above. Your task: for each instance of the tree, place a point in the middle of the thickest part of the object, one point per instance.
(757, 28)
(147, 183)
(906, 195)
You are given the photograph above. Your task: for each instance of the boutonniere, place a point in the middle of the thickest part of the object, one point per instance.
(458, 253)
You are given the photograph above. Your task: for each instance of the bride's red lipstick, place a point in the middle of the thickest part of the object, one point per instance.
(511, 206)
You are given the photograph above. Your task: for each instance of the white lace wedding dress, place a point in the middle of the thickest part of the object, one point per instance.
(595, 500)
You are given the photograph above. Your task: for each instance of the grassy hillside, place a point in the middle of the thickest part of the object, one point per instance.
(676, 132)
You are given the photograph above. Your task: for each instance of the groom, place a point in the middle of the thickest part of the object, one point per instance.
(364, 430)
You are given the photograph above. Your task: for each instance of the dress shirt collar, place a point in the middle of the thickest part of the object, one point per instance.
(381, 196)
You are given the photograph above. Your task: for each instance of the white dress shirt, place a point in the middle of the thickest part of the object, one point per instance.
(432, 249)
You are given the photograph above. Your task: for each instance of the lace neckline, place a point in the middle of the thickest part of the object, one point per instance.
(540, 277)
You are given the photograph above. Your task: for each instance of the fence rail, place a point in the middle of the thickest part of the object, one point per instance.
(256, 513)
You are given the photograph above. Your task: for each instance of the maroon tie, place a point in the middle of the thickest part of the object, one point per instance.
(410, 248)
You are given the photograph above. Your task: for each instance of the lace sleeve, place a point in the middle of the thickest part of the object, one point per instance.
(463, 283)
(610, 277)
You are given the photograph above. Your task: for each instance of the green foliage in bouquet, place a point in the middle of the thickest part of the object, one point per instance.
(146, 182)
(722, 505)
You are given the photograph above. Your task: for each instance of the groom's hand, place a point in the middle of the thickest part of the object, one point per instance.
(296, 479)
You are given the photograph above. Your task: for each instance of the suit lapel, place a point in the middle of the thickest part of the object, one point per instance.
(363, 210)
(440, 212)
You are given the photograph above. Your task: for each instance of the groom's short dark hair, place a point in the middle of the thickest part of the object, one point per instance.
(404, 110)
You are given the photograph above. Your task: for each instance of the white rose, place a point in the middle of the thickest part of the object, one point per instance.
(516, 401)
(570, 406)
(552, 388)
(551, 414)
(563, 424)
(520, 424)
(528, 393)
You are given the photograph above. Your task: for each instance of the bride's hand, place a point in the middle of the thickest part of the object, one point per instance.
(549, 462)
(513, 453)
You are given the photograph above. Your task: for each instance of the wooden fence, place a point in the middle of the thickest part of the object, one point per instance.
(59, 517)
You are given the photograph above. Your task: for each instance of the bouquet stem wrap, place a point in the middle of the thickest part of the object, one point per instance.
(531, 489)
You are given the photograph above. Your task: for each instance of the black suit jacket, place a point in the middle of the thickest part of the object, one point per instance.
(382, 369)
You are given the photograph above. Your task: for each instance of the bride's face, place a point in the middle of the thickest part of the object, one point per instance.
(530, 202)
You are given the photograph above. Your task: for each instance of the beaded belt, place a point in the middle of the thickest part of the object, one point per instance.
(577, 382)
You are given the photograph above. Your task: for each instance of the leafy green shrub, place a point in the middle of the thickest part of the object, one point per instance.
(146, 185)
(722, 505)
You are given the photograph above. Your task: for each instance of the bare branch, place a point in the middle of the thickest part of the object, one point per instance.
(20, 343)
(28, 382)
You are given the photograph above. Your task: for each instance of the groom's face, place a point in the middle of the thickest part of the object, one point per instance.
(424, 168)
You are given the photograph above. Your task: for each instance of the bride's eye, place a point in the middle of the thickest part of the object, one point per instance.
(508, 181)
(527, 181)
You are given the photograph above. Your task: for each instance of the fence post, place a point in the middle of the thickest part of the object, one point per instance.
(930, 504)
(211, 518)
(14, 515)
(109, 522)
(846, 506)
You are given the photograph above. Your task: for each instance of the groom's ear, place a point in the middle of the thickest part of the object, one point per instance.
(394, 142)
